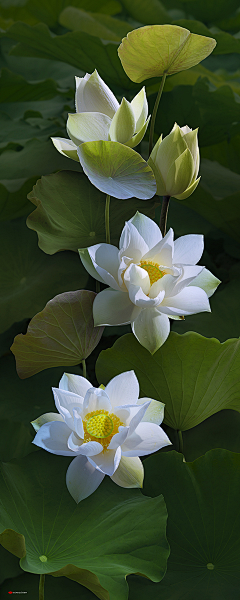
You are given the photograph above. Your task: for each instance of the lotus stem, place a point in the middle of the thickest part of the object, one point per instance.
(153, 119)
(164, 214)
(107, 220)
(41, 587)
(84, 368)
(180, 439)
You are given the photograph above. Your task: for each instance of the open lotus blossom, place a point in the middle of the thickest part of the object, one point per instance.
(100, 117)
(106, 430)
(151, 279)
(175, 163)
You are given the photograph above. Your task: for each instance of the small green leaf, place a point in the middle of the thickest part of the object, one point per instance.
(62, 334)
(111, 534)
(193, 376)
(13, 542)
(117, 170)
(29, 278)
(70, 212)
(154, 50)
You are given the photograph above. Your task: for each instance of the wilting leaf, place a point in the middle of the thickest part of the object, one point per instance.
(62, 334)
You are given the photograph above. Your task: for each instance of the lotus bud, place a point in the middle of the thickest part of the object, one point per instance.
(175, 163)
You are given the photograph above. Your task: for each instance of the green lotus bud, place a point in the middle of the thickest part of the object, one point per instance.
(175, 163)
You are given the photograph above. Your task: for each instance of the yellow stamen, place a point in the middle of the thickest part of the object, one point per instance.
(153, 270)
(99, 426)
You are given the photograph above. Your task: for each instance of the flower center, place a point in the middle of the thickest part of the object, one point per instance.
(100, 426)
(153, 270)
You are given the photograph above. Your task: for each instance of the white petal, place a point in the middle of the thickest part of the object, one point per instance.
(96, 399)
(131, 243)
(78, 424)
(140, 299)
(88, 127)
(92, 94)
(87, 449)
(147, 228)
(151, 329)
(136, 416)
(65, 402)
(123, 124)
(139, 106)
(105, 260)
(189, 301)
(123, 389)
(82, 479)
(188, 249)
(74, 443)
(162, 253)
(188, 276)
(138, 277)
(207, 282)
(147, 438)
(53, 437)
(107, 461)
(88, 264)
(75, 384)
(46, 418)
(154, 412)
(130, 472)
(118, 438)
(113, 308)
(66, 147)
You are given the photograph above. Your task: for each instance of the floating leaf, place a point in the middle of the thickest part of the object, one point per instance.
(203, 529)
(193, 376)
(70, 212)
(155, 50)
(117, 170)
(112, 533)
(62, 334)
(29, 278)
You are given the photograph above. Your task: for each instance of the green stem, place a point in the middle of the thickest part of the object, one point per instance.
(84, 368)
(41, 587)
(153, 119)
(163, 215)
(180, 438)
(107, 221)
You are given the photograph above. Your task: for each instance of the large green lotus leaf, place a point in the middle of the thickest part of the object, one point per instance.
(218, 78)
(226, 43)
(20, 131)
(75, 48)
(96, 24)
(155, 50)
(203, 528)
(36, 158)
(219, 181)
(150, 13)
(29, 278)
(193, 376)
(62, 334)
(227, 153)
(15, 204)
(15, 88)
(25, 400)
(117, 170)
(112, 533)
(223, 322)
(70, 212)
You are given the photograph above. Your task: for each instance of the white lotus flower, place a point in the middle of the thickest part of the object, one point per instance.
(175, 163)
(106, 430)
(151, 279)
(99, 117)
